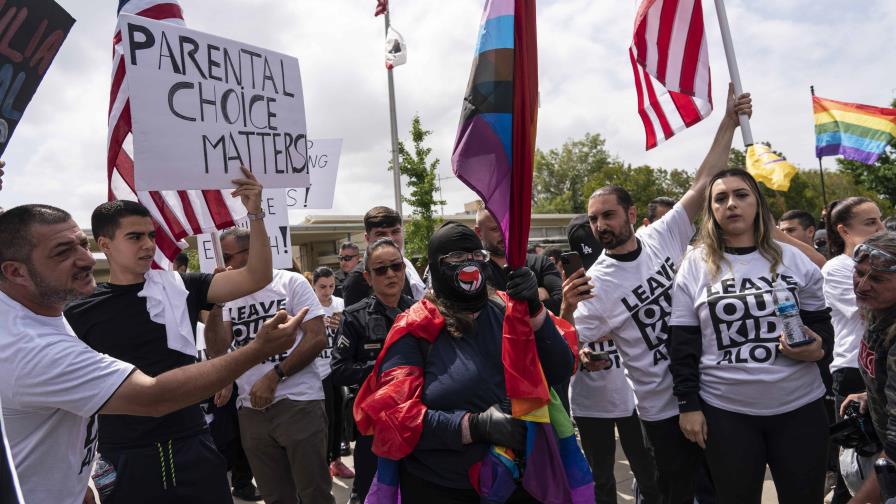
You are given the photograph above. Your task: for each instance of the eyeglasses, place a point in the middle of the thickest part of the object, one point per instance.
(879, 260)
(347, 258)
(395, 267)
(229, 257)
(460, 256)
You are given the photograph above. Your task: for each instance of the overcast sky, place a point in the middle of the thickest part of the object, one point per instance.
(57, 154)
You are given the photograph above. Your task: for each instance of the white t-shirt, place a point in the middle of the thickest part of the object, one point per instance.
(741, 369)
(287, 291)
(632, 302)
(605, 393)
(337, 305)
(845, 317)
(52, 387)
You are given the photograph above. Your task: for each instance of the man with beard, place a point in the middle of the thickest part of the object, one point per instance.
(550, 285)
(632, 302)
(52, 385)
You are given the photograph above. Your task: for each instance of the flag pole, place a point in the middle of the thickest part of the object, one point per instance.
(396, 174)
(732, 69)
(824, 196)
(216, 249)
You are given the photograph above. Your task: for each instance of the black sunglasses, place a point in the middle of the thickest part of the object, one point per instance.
(346, 258)
(381, 270)
(228, 257)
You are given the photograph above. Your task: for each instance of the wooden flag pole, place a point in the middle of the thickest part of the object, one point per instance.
(824, 195)
(732, 69)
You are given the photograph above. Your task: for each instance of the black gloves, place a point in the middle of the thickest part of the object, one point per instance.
(522, 285)
(498, 428)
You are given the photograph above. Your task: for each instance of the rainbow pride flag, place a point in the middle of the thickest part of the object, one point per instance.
(857, 132)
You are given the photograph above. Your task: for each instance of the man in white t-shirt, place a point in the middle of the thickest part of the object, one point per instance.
(283, 424)
(631, 301)
(52, 385)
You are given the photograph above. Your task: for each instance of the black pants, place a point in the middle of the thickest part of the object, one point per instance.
(181, 471)
(794, 445)
(599, 445)
(225, 431)
(680, 464)
(415, 489)
(365, 466)
(846, 381)
(333, 403)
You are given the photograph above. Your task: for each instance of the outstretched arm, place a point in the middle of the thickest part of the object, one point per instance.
(716, 159)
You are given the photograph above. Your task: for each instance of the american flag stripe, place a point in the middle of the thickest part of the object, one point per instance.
(671, 66)
(176, 214)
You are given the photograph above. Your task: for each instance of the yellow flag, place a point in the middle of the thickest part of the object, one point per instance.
(769, 168)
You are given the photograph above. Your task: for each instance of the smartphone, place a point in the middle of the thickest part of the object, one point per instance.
(599, 356)
(571, 262)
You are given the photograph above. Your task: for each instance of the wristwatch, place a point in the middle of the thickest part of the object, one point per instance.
(255, 216)
(280, 374)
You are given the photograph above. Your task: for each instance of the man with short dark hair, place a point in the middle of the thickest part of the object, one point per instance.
(657, 208)
(554, 253)
(52, 385)
(381, 222)
(283, 424)
(629, 300)
(159, 310)
(349, 257)
(181, 263)
(798, 224)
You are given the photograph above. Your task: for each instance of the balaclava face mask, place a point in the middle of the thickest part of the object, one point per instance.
(463, 284)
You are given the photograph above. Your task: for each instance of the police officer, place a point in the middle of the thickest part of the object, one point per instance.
(364, 329)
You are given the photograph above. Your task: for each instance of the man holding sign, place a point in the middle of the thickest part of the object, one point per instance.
(148, 318)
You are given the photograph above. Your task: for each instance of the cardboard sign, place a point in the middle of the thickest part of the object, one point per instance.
(323, 159)
(203, 105)
(276, 222)
(31, 33)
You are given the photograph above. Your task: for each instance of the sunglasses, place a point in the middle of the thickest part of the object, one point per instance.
(346, 258)
(229, 257)
(878, 259)
(395, 267)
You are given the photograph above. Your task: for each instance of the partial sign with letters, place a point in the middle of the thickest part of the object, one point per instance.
(276, 222)
(202, 105)
(31, 33)
(323, 160)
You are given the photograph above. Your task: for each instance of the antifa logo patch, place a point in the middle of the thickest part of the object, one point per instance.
(469, 278)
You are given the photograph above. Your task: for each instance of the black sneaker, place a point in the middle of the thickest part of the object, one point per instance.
(345, 449)
(247, 493)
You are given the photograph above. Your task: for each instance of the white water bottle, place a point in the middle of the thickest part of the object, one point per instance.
(789, 313)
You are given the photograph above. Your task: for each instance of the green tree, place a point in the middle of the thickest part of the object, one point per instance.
(421, 176)
(560, 174)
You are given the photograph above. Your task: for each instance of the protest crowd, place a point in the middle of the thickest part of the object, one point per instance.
(714, 340)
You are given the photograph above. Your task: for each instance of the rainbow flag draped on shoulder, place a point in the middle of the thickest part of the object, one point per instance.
(857, 132)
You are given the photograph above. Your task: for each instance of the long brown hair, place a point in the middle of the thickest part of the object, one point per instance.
(711, 235)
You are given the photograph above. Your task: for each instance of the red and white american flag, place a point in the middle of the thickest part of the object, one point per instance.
(176, 214)
(671, 65)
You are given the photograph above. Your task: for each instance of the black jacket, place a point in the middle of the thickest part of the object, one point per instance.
(363, 330)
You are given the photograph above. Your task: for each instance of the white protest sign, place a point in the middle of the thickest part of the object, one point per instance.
(276, 222)
(323, 160)
(203, 105)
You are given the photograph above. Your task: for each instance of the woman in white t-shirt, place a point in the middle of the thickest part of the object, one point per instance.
(745, 395)
(849, 222)
(323, 280)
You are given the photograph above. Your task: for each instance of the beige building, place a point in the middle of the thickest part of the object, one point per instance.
(316, 240)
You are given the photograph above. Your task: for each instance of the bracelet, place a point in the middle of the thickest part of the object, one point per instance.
(280, 374)
(255, 216)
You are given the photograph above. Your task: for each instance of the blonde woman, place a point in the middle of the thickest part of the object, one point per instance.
(746, 396)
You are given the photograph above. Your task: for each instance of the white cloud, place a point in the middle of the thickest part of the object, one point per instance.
(58, 152)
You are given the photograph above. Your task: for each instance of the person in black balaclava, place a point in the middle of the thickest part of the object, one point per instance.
(467, 405)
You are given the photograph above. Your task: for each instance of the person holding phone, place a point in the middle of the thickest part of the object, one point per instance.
(323, 280)
(747, 394)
